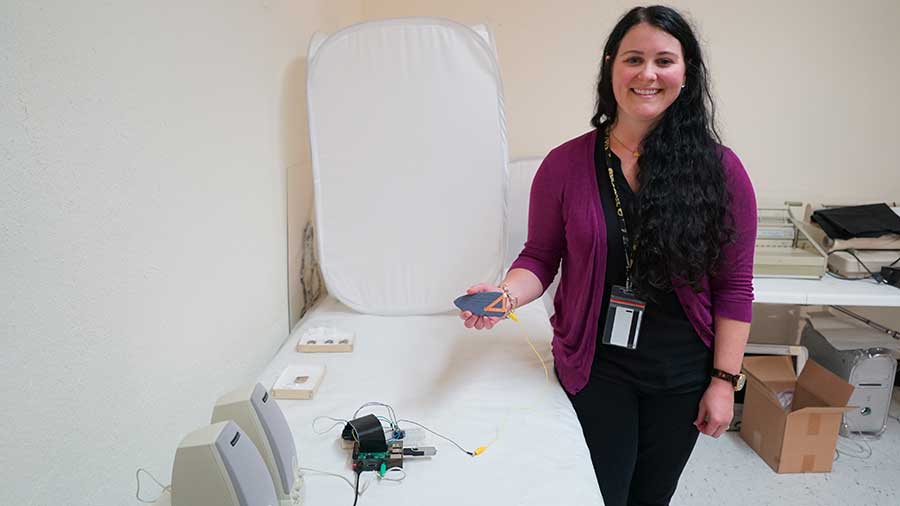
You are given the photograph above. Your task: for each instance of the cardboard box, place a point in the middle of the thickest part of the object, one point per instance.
(799, 355)
(800, 438)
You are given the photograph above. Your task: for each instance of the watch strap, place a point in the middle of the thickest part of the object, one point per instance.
(731, 378)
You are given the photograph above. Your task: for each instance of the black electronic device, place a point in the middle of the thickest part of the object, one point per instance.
(891, 275)
(372, 451)
(367, 433)
(378, 461)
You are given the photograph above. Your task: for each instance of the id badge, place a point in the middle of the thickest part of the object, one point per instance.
(623, 318)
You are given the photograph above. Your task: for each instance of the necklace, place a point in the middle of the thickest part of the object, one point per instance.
(634, 152)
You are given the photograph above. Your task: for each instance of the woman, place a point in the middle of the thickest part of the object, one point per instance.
(653, 308)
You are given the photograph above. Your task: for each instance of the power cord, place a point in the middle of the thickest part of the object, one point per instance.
(296, 495)
(390, 410)
(539, 357)
(337, 422)
(861, 449)
(336, 475)
(892, 416)
(481, 449)
(871, 275)
(392, 470)
(473, 453)
(875, 325)
(353, 486)
(356, 489)
(394, 424)
(137, 494)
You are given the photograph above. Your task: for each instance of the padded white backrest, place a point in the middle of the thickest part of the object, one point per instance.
(521, 174)
(409, 154)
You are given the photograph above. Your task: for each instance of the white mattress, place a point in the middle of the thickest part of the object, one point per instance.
(465, 384)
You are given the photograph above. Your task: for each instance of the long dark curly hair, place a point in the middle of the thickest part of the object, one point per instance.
(684, 209)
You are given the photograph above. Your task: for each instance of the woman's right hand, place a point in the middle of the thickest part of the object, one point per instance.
(473, 320)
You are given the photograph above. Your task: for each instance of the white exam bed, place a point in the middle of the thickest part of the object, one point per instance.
(409, 152)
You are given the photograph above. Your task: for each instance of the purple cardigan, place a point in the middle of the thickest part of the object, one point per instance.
(566, 222)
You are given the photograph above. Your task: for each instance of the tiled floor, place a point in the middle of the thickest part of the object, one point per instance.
(726, 472)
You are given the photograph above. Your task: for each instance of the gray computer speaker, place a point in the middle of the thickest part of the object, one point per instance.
(255, 411)
(218, 465)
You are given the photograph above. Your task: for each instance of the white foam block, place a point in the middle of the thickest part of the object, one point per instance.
(326, 340)
(299, 381)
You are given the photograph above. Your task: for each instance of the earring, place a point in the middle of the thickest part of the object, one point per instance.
(683, 85)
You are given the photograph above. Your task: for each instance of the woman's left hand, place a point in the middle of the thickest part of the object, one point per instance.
(716, 408)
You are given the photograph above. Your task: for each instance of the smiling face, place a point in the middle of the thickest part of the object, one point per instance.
(647, 73)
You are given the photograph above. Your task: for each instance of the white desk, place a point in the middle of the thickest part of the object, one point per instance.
(825, 291)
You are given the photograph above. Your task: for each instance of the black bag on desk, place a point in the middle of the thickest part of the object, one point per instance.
(872, 220)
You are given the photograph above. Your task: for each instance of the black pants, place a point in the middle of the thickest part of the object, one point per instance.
(639, 442)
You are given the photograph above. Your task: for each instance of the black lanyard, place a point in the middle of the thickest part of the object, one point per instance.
(620, 214)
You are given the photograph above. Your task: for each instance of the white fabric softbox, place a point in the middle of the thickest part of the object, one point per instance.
(409, 155)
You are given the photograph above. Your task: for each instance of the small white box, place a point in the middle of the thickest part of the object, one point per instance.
(299, 381)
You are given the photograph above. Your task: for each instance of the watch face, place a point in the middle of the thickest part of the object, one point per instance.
(741, 380)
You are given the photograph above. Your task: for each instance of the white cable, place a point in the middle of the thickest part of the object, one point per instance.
(137, 494)
(298, 491)
(390, 410)
(454, 443)
(336, 475)
(337, 421)
(861, 448)
(393, 469)
(860, 451)
(297, 499)
(894, 417)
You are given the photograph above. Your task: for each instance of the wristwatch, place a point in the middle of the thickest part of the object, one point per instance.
(737, 380)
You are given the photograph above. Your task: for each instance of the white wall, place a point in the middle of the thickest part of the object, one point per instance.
(145, 149)
(802, 86)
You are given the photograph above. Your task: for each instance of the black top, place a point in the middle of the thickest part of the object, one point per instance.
(670, 355)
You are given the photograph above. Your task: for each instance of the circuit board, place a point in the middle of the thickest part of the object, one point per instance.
(378, 461)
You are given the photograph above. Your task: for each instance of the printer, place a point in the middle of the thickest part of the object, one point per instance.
(862, 357)
(855, 257)
(785, 247)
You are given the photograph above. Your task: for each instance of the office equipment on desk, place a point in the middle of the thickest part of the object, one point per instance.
(260, 418)
(891, 276)
(857, 221)
(858, 263)
(784, 248)
(856, 257)
(860, 355)
(218, 465)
